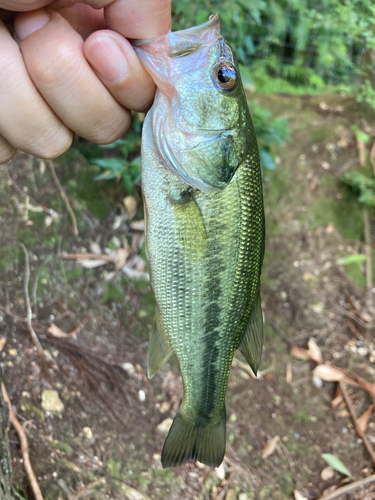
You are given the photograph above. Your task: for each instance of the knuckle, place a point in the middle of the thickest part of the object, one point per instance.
(55, 67)
(53, 146)
(111, 130)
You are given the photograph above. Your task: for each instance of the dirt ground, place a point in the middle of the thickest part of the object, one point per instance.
(102, 436)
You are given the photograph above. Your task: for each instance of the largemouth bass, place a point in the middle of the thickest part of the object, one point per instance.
(201, 182)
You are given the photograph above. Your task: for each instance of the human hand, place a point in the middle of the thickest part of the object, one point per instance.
(63, 72)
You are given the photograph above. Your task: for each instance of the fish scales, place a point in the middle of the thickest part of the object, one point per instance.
(202, 190)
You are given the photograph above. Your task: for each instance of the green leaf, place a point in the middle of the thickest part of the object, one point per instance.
(336, 464)
(128, 182)
(267, 160)
(116, 165)
(353, 259)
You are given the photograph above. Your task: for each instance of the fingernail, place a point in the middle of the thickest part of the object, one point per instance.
(106, 56)
(27, 23)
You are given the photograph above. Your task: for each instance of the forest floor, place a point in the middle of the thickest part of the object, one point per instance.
(100, 432)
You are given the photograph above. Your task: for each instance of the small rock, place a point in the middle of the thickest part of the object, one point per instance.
(243, 496)
(142, 395)
(164, 407)
(12, 352)
(165, 426)
(362, 351)
(327, 473)
(88, 433)
(128, 367)
(51, 401)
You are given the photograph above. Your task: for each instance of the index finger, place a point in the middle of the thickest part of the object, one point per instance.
(139, 18)
(131, 18)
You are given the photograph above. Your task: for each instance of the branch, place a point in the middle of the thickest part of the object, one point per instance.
(24, 447)
(34, 336)
(349, 487)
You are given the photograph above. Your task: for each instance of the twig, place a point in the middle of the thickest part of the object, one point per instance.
(357, 427)
(279, 331)
(93, 256)
(367, 230)
(46, 210)
(34, 336)
(349, 487)
(24, 447)
(64, 197)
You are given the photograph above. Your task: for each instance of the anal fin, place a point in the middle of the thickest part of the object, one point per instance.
(252, 342)
(159, 350)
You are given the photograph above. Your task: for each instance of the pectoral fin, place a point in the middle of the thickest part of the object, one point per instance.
(159, 350)
(190, 224)
(252, 342)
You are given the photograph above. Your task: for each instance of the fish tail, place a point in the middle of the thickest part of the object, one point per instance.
(188, 440)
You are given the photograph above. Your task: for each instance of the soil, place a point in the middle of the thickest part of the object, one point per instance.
(105, 440)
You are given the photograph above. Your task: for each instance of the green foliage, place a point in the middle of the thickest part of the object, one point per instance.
(363, 184)
(269, 131)
(298, 41)
(119, 160)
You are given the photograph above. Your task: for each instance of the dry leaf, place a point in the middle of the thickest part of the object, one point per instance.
(289, 372)
(298, 495)
(131, 206)
(329, 373)
(315, 351)
(91, 263)
(75, 331)
(56, 331)
(134, 274)
(363, 419)
(121, 256)
(2, 343)
(339, 398)
(60, 334)
(299, 353)
(95, 248)
(138, 225)
(270, 447)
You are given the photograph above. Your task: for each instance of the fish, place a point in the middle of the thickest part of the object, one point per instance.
(205, 229)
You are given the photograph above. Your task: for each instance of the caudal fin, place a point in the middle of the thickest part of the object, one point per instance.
(190, 441)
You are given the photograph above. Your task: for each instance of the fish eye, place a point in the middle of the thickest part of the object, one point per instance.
(226, 76)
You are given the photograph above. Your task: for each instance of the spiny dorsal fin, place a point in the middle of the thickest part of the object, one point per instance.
(159, 350)
(252, 342)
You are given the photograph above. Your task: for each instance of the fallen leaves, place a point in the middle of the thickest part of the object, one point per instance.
(363, 420)
(336, 464)
(55, 331)
(270, 448)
